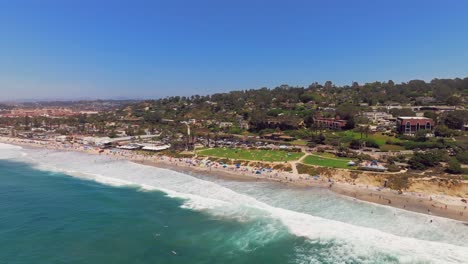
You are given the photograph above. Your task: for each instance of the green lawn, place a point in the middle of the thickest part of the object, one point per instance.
(328, 161)
(378, 137)
(299, 142)
(387, 147)
(246, 154)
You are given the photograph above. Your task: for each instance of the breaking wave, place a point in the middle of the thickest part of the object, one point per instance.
(338, 241)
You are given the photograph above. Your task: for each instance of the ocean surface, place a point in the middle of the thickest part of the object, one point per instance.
(64, 207)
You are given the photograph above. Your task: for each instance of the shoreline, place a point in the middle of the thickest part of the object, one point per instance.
(417, 204)
(436, 205)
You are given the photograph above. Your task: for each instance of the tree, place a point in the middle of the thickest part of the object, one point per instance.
(454, 100)
(371, 143)
(463, 156)
(431, 115)
(113, 134)
(421, 161)
(347, 112)
(355, 144)
(317, 139)
(363, 130)
(454, 167)
(420, 135)
(443, 131)
(456, 119)
(442, 92)
(152, 117)
(355, 85)
(402, 112)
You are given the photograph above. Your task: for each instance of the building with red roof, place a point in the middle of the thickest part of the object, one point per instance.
(411, 124)
(331, 123)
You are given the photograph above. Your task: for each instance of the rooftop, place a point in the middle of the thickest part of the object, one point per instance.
(413, 117)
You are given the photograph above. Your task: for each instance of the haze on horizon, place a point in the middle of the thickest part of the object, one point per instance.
(150, 49)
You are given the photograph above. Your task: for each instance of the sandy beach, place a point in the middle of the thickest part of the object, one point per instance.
(437, 205)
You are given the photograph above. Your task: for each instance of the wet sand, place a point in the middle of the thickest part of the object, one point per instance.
(412, 202)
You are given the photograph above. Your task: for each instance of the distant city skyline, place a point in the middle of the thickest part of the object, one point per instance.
(151, 49)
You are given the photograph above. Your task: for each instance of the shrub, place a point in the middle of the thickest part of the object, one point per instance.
(371, 143)
(424, 145)
(355, 144)
(393, 159)
(463, 157)
(454, 167)
(398, 182)
(421, 161)
(304, 169)
(393, 168)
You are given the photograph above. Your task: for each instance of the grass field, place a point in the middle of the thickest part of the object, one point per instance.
(299, 142)
(328, 162)
(387, 147)
(247, 154)
(378, 137)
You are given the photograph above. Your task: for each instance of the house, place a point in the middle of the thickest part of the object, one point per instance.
(244, 125)
(411, 124)
(331, 123)
(425, 100)
(192, 121)
(225, 124)
(375, 117)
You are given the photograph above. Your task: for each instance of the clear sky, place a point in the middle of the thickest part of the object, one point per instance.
(149, 49)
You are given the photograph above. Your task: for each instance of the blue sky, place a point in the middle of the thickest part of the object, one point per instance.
(149, 49)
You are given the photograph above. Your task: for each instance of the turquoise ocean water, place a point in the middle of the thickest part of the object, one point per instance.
(74, 208)
(48, 217)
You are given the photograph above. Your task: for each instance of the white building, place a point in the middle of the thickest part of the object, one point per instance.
(153, 147)
(375, 117)
(225, 124)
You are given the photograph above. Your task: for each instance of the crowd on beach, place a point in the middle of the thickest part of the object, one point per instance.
(408, 201)
(200, 164)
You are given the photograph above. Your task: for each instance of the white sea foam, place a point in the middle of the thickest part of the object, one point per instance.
(10, 151)
(349, 240)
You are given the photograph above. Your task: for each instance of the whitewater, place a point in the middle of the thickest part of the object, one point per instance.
(357, 231)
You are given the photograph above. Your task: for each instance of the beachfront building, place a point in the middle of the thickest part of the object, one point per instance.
(331, 123)
(155, 147)
(409, 125)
